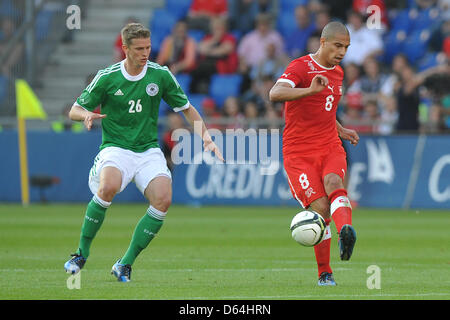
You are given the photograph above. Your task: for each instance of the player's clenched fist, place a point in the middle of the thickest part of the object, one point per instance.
(318, 83)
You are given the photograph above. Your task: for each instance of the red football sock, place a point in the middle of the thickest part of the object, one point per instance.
(322, 251)
(340, 208)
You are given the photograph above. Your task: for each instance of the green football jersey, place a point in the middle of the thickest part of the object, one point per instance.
(131, 104)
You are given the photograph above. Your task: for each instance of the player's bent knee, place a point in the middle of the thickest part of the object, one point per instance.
(321, 206)
(333, 182)
(162, 202)
(107, 192)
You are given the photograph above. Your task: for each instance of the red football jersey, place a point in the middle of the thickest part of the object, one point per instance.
(310, 122)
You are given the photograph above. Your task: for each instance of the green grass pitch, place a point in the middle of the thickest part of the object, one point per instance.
(232, 253)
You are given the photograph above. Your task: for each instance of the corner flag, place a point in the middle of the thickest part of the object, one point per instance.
(28, 107)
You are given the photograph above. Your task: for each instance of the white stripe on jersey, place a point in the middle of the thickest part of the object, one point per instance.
(157, 66)
(113, 68)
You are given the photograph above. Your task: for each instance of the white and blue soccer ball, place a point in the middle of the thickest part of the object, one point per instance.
(308, 228)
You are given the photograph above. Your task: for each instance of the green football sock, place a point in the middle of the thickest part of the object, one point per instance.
(95, 214)
(145, 231)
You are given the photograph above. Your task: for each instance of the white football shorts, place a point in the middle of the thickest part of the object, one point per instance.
(141, 168)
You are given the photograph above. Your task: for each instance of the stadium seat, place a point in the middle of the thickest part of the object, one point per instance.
(184, 79)
(286, 23)
(196, 34)
(161, 24)
(426, 19)
(197, 101)
(393, 44)
(289, 5)
(223, 86)
(43, 24)
(416, 44)
(402, 21)
(428, 61)
(3, 88)
(179, 8)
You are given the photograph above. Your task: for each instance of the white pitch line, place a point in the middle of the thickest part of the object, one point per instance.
(317, 296)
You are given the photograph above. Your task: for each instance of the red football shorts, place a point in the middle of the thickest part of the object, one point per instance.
(306, 173)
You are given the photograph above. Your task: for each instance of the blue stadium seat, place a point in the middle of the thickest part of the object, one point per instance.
(179, 8)
(197, 100)
(289, 5)
(3, 88)
(416, 44)
(402, 21)
(426, 19)
(196, 34)
(428, 61)
(161, 24)
(43, 24)
(223, 86)
(393, 44)
(286, 23)
(184, 79)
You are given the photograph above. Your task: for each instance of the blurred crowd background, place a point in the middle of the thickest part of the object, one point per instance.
(227, 54)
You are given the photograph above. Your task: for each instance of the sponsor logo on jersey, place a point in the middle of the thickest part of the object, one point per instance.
(118, 93)
(310, 192)
(285, 75)
(152, 89)
(311, 66)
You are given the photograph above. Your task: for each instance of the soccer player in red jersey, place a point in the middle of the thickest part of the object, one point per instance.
(313, 156)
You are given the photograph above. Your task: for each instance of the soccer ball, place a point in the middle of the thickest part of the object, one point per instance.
(308, 228)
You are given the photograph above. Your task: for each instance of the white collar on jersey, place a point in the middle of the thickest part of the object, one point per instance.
(310, 55)
(129, 76)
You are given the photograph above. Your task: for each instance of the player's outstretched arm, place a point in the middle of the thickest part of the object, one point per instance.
(347, 134)
(78, 113)
(194, 117)
(283, 91)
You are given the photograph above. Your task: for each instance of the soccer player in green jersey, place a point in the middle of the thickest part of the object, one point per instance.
(129, 93)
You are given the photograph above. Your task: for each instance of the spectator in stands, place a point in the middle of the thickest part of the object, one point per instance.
(408, 100)
(232, 112)
(373, 79)
(388, 116)
(322, 18)
(313, 43)
(438, 37)
(273, 118)
(202, 11)
(178, 50)
(371, 115)
(399, 62)
(252, 48)
(337, 9)
(118, 54)
(272, 65)
(174, 121)
(296, 42)
(211, 114)
(242, 14)
(364, 42)
(251, 114)
(352, 87)
(8, 67)
(217, 54)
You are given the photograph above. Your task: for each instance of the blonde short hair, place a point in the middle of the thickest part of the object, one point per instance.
(134, 31)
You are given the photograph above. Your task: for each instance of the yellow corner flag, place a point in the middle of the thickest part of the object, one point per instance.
(28, 107)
